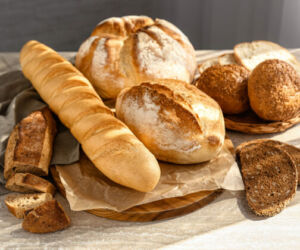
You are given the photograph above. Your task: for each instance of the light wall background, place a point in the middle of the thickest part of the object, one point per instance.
(209, 24)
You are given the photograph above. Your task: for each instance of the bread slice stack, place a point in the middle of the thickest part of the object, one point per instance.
(270, 173)
(27, 157)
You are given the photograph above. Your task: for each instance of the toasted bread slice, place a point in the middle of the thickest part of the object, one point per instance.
(293, 151)
(48, 217)
(29, 183)
(253, 53)
(270, 177)
(19, 204)
(226, 59)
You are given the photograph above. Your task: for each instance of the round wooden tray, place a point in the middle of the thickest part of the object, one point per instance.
(250, 123)
(158, 210)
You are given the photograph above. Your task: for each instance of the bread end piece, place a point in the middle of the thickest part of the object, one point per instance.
(46, 218)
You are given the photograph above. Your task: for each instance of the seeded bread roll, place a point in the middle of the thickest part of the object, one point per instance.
(122, 52)
(270, 177)
(227, 84)
(274, 90)
(175, 120)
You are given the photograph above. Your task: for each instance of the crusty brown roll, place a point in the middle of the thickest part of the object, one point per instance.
(108, 143)
(274, 90)
(175, 120)
(227, 84)
(122, 52)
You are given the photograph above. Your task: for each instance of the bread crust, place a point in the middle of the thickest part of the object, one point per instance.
(227, 84)
(30, 144)
(274, 90)
(122, 52)
(175, 120)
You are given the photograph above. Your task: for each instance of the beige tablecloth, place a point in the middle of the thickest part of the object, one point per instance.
(226, 223)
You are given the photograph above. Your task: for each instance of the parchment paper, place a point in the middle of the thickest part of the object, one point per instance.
(86, 188)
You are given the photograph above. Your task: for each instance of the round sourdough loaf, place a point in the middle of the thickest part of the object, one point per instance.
(176, 121)
(274, 90)
(122, 52)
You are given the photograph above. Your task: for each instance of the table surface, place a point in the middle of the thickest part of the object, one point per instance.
(226, 223)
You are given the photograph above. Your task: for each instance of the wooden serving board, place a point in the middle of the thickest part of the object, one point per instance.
(250, 123)
(158, 210)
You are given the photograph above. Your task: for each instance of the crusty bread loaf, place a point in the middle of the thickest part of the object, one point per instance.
(109, 144)
(274, 90)
(19, 204)
(270, 178)
(175, 120)
(29, 183)
(253, 53)
(46, 218)
(29, 148)
(227, 84)
(122, 52)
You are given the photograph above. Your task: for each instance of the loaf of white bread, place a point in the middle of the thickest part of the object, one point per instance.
(122, 52)
(108, 143)
(175, 120)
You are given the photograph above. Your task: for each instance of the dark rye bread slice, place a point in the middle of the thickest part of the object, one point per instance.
(270, 178)
(293, 151)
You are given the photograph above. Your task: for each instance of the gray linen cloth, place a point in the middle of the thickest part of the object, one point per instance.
(17, 100)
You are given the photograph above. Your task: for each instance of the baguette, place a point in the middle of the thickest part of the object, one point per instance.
(109, 144)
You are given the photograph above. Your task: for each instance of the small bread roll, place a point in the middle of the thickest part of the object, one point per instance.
(122, 52)
(176, 121)
(274, 90)
(227, 84)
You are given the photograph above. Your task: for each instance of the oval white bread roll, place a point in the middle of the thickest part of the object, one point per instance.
(175, 120)
(109, 144)
(122, 52)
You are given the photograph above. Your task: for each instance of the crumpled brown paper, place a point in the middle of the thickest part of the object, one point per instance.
(87, 188)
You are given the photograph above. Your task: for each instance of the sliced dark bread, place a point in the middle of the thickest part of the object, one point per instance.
(270, 178)
(19, 204)
(29, 183)
(48, 217)
(293, 151)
